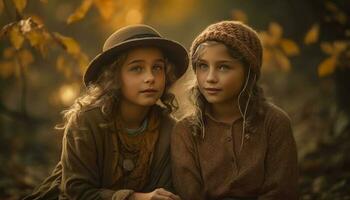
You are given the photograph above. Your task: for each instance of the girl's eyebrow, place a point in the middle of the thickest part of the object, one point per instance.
(160, 60)
(225, 61)
(219, 61)
(136, 61)
(141, 61)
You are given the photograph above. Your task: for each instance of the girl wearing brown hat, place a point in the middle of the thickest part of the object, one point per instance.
(116, 138)
(236, 145)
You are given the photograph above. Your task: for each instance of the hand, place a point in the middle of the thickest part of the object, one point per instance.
(157, 194)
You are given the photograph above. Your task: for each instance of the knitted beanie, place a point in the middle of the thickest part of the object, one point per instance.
(235, 35)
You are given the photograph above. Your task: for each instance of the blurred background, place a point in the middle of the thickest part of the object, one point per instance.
(45, 46)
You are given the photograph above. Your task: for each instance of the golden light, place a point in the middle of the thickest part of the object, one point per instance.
(133, 16)
(68, 93)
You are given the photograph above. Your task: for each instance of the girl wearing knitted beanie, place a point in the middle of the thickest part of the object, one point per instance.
(236, 145)
(116, 143)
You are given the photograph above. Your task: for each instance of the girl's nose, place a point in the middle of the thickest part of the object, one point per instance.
(211, 76)
(149, 77)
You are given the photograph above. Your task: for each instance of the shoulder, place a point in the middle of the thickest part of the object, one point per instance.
(277, 121)
(184, 127)
(90, 118)
(165, 117)
(186, 122)
(275, 114)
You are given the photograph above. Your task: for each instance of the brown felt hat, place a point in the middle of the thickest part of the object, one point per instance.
(134, 36)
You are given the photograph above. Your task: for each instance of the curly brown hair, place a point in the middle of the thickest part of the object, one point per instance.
(105, 93)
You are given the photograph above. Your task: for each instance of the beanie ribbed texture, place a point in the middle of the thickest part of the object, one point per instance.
(236, 35)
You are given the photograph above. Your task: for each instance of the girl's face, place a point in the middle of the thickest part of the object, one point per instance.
(143, 76)
(220, 77)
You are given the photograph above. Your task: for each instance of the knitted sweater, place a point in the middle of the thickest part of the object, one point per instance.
(211, 168)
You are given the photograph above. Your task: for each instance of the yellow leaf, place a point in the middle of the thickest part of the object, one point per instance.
(83, 61)
(1, 6)
(339, 46)
(275, 30)
(63, 66)
(26, 57)
(80, 12)
(9, 52)
(71, 46)
(106, 8)
(36, 19)
(289, 47)
(266, 39)
(327, 66)
(16, 37)
(34, 38)
(282, 61)
(239, 15)
(331, 6)
(267, 55)
(20, 4)
(60, 63)
(341, 18)
(7, 69)
(312, 35)
(327, 48)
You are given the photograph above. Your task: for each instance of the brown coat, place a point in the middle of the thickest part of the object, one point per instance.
(87, 169)
(211, 168)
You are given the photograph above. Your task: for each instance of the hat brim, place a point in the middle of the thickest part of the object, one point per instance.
(174, 51)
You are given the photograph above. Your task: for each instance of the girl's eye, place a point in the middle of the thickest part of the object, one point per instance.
(201, 66)
(136, 69)
(224, 67)
(158, 67)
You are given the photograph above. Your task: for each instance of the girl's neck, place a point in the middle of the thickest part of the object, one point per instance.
(132, 114)
(225, 112)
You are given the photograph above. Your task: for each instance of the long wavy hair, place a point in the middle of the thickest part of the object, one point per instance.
(105, 93)
(251, 100)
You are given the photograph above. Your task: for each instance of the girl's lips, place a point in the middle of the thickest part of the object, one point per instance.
(212, 90)
(149, 91)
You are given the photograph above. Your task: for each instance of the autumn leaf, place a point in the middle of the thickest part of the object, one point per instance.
(106, 8)
(239, 15)
(290, 47)
(71, 46)
(266, 39)
(1, 7)
(267, 55)
(9, 52)
(312, 35)
(63, 66)
(282, 61)
(339, 46)
(327, 66)
(16, 37)
(276, 31)
(341, 17)
(331, 6)
(7, 69)
(34, 38)
(83, 61)
(80, 12)
(26, 57)
(36, 19)
(39, 39)
(327, 48)
(20, 4)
